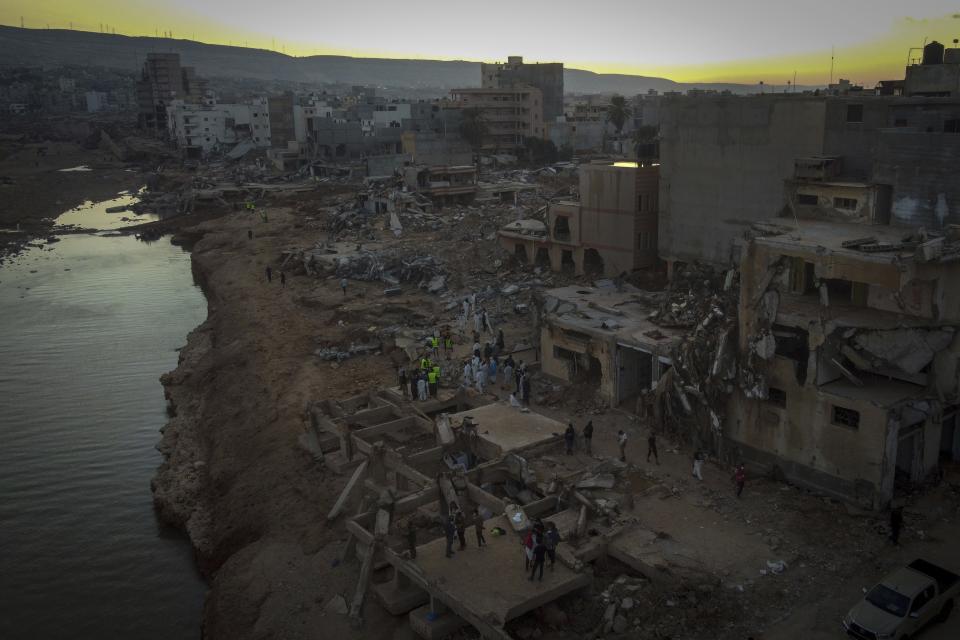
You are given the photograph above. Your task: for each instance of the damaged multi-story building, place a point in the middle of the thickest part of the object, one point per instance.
(162, 81)
(612, 229)
(841, 214)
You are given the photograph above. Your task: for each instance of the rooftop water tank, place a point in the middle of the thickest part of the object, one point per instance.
(933, 53)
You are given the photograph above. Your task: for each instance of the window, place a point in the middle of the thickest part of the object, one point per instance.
(844, 417)
(644, 241)
(854, 113)
(922, 599)
(561, 228)
(777, 397)
(807, 199)
(951, 126)
(845, 203)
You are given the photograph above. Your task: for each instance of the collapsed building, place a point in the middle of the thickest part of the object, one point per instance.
(855, 331)
(612, 229)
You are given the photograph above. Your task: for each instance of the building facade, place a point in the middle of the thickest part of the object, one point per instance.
(548, 78)
(510, 115)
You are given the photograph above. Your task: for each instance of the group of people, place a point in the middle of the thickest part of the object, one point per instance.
(283, 276)
(455, 525)
(540, 544)
(481, 319)
(423, 382)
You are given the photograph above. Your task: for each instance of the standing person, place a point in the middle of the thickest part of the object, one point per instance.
(507, 372)
(402, 380)
(269, 274)
(652, 447)
(740, 478)
(433, 382)
(478, 527)
(588, 437)
(343, 286)
(501, 343)
(539, 554)
(528, 545)
(249, 234)
(698, 464)
(412, 538)
(481, 377)
(493, 370)
(521, 368)
(422, 387)
(460, 521)
(622, 443)
(896, 523)
(435, 346)
(551, 539)
(449, 530)
(477, 326)
(485, 321)
(448, 344)
(525, 388)
(568, 437)
(467, 374)
(283, 279)
(413, 385)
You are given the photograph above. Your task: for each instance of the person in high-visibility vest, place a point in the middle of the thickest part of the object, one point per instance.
(432, 382)
(435, 345)
(425, 363)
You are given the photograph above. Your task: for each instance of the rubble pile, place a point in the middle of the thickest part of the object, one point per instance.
(693, 392)
(393, 268)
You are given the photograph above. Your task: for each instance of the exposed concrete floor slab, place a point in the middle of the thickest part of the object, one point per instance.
(507, 428)
(492, 581)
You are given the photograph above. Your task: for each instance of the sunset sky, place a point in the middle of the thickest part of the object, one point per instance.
(685, 40)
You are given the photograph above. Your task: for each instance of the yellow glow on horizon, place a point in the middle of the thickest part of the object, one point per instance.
(882, 56)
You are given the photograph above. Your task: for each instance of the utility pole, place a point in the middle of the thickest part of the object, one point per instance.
(21, 22)
(831, 65)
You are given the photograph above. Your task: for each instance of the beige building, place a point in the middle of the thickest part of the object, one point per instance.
(602, 338)
(511, 115)
(854, 336)
(611, 230)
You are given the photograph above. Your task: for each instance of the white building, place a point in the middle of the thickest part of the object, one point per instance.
(202, 129)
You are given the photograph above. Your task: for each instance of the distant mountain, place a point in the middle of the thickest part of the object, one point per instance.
(57, 47)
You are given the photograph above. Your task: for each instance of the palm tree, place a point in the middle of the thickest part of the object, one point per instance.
(473, 128)
(618, 112)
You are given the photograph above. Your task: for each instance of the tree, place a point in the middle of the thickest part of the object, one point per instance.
(473, 128)
(618, 112)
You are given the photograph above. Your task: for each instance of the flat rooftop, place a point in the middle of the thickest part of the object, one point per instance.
(623, 315)
(880, 391)
(813, 235)
(491, 581)
(505, 428)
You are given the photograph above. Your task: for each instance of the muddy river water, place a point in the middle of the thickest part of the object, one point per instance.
(87, 326)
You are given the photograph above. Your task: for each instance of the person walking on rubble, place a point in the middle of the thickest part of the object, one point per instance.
(529, 542)
(568, 437)
(478, 528)
(550, 540)
(521, 369)
(449, 530)
(283, 279)
(435, 346)
(460, 521)
(501, 342)
(539, 555)
(422, 387)
(698, 465)
(249, 234)
(448, 343)
(622, 443)
(485, 321)
(467, 374)
(411, 538)
(343, 286)
(740, 478)
(413, 385)
(493, 371)
(652, 447)
(896, 523)
(433, 381)
(269, 274)
(525, 389)
(507, 372)
(477, 326)
(588, 437)
(480, 375)
(402, 380)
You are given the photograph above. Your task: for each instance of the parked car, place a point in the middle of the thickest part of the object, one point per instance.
(903, 603)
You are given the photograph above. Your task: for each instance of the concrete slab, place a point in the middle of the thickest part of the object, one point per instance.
(503, 428)
(399, 598)
(491, 581)
(661, 560)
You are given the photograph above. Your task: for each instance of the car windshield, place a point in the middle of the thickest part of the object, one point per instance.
(889, 600)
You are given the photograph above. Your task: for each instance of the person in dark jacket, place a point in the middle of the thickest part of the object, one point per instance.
(588, 437)
(539, 554)
(550, 540)
(478, 527)
(461, 521)
(568, 437)
(449, 530)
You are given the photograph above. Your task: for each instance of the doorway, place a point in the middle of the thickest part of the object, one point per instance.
(635, 373)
